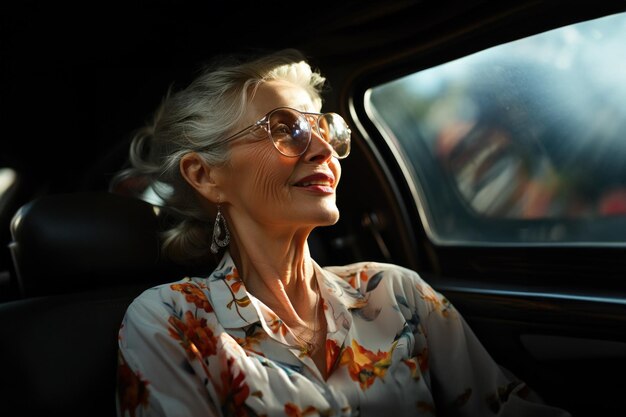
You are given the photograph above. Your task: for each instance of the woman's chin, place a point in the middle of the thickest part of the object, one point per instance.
(330, 218)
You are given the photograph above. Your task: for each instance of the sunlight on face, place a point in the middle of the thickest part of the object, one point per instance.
(264, 188)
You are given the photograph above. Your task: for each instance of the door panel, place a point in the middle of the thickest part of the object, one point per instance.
(570, 349)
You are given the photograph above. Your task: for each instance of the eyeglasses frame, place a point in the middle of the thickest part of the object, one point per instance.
(263, 123)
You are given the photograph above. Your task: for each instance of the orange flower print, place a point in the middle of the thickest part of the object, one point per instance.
(292, 410)
(332, 354)
(193, 294)
(417, 365)
(253, 337)
(132, 390)
(352, 280)
(445, 306)
(276, 324)
(236, 283)
(412, 364)
(194, 335)
(233, 392)
(439, 303)
(364, 365)
(362, 276)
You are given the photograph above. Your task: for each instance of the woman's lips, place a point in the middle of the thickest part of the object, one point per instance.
(320, 183)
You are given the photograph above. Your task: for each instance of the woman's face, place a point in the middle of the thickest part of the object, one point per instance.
(262, 186)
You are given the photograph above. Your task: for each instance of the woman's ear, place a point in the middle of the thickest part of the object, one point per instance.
(199, 175)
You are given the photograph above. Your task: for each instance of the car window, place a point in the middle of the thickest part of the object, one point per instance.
(524, 142)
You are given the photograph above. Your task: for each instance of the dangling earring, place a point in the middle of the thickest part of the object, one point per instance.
(217, 232)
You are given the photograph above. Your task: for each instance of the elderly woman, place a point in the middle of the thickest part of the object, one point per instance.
(269, 332)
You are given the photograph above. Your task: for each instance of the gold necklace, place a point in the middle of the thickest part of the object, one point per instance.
(309, 344)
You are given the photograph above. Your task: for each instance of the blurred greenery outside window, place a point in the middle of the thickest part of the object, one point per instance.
(522, 143)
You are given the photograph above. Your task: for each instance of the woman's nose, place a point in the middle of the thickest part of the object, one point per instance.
(319, 148)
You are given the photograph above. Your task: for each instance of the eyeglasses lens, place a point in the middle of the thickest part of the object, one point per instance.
(291, 132)
(336, 132)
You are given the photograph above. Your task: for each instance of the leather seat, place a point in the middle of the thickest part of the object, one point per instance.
(80, 260)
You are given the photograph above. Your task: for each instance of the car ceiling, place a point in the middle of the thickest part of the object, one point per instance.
(136, 31)
(78, 76)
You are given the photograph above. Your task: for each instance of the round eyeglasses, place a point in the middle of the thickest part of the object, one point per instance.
(290, 131)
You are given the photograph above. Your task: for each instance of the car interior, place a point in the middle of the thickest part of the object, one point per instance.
(78, 80)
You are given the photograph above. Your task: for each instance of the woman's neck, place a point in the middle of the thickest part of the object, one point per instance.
(279, 271)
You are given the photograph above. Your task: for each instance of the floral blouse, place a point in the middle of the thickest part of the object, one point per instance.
(207, 347)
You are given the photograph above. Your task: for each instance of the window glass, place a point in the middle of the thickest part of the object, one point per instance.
(524, 142)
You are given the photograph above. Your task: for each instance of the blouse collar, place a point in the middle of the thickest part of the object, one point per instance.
(236, 308)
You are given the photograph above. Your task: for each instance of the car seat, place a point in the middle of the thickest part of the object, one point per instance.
(80, 259)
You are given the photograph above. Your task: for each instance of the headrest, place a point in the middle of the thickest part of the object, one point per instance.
(73, 242)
